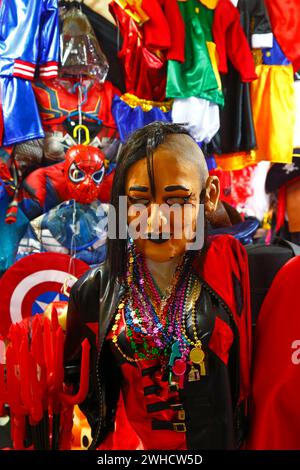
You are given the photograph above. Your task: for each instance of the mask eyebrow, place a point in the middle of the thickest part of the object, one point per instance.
(175, 188)
(143, 189)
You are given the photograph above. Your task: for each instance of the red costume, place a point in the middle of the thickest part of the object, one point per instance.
(231, 41)
(84, 167)
(58, 100)
(145, 72)
(275, 411)
(224, 274)
(165, 30)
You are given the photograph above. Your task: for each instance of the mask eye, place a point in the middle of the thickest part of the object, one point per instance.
(75, 174)
(98, 176)
(138, 200)
(177, 200)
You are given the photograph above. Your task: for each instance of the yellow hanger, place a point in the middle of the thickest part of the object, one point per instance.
(87, 133)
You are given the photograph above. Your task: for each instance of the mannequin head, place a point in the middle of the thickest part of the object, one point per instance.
(162, 168)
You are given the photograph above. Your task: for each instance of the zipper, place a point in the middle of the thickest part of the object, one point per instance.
(98, 380)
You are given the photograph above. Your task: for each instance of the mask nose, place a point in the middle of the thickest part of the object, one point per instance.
(156, 220)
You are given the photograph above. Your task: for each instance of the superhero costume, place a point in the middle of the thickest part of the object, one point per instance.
(29, 36)
(225, 276)
(58, 107)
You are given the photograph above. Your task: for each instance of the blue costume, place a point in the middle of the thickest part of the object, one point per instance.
(29, 37)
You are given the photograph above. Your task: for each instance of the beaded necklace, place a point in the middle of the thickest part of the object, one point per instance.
(155, 325)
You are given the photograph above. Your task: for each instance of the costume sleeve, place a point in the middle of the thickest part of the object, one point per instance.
(177, 30)
(165, 29)
(156, 29)
(49, 40)
(285, 21)
(262, 35)
(243, 318)
(230, 40)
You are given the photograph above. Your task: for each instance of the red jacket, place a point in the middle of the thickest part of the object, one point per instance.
(225, 260)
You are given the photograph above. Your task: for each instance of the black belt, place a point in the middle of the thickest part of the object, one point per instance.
(164, 405)
(152, 390)
(158, 425)
(150, 370)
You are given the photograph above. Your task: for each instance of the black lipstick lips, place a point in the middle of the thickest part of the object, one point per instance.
(158, 237)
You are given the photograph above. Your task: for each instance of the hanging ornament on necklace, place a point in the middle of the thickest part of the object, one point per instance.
(197, 355)
(179, 369)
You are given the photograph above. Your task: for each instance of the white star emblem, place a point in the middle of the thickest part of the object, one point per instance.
(44, 305)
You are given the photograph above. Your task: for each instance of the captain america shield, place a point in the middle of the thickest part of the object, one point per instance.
(32, 283)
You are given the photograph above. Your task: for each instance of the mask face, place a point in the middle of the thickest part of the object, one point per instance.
(84, 170)
(163, 214)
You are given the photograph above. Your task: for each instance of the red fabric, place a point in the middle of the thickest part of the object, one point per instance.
(36, 184)
(231, 41)
(275, 411)
(124, 437)
(221, 339)
(136, 410)
(226, 257)
(56, 101)
(145, 73)
(285, 21)
(165, 30)
(235, 185)
(280, 208)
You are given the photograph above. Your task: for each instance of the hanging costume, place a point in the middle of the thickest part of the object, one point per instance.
(231, 41)
(274, 107)
(29, 37)
(196, 76)
(285, 20)
(54, 232)
(58, 107)
(214, 419)
(46, 187)
(237, 132)
(195, 84)
(165, 29)
(202, 117)
(145, 68)
(131, 113)
(297, 118)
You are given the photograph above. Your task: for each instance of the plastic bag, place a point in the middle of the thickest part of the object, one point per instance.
(80, 51)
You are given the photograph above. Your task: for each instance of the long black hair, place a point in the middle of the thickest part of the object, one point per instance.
(141, 144)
